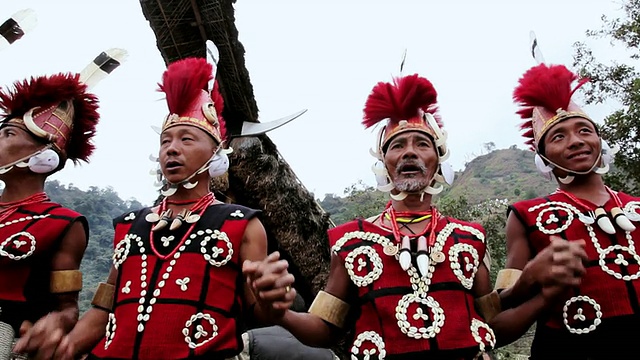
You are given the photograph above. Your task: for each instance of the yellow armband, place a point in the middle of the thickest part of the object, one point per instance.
(489, 305)
(64, 281)
(329, 308)
(103, 298)
(507, 278)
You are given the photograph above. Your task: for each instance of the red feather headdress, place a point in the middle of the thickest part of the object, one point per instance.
(56, 108)
(185, 86)
(402, 104)
(545, 92)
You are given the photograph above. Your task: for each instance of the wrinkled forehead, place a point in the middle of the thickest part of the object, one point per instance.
(406, 135)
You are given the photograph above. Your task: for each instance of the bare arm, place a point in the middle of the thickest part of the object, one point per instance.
(310, 329)
(39, 339)
(543, 279)
(481, 282)
(254, 248)
(518, 255)
(521, 309)
(88, 331)
(68, 258)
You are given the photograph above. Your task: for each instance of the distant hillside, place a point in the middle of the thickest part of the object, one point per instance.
(501, 174)
(99, 206)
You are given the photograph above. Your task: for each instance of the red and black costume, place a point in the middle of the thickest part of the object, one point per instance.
(178, 295)
(599, 319)
(413, 291)
(179, 291)
(606, 306)
(405, 314)
(31, 235)
(59, 112)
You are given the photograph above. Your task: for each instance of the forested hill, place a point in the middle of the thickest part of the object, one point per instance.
(100, 206)
(507, 175)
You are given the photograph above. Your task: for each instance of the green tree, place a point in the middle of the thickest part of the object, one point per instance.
(99, 206)
(360, 200)
(620, 82)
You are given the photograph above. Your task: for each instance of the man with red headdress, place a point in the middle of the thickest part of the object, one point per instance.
(572, 264)
(46, 120)
(175, 290)
(406, 280)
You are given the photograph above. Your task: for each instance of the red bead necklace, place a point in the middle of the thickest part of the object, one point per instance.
(198, 208)
(11, 207)
(431, 226)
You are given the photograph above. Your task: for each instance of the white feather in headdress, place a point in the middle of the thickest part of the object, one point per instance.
(14, 28)
(102, 66)
(213, 57)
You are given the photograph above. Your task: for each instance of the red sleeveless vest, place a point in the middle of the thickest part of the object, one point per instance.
(611, 286)
(402, 314)
(28, 238)
(180, 296)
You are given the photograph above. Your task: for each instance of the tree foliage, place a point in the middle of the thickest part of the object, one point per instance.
(99, 206)
(359, 200)
(620, 82)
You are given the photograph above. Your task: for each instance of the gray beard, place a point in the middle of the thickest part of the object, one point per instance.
(411, 185)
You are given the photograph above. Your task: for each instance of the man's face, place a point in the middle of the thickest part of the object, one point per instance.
(16, 143)
(412, 160)
(573, 144)
(183, 150)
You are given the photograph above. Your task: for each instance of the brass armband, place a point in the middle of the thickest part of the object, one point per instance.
(103, 298)
(64, 281)
(507, 278)
(329, 308)
(489, 305)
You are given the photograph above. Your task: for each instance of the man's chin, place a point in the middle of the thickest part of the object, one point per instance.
(411, 186)
(174, 178)
(579, 168)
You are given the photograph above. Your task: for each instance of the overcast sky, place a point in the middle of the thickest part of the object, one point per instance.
(324, 56)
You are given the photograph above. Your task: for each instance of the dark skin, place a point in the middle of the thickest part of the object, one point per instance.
(573, 144)
(310, 329)
(20, 183)
(183, 150)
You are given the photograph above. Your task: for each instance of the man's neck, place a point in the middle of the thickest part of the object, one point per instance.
(15, 190)
(200, 190)
(413, 203)
(588, 187)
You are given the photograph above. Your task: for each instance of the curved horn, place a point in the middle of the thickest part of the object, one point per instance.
(35, 129)
(623, 222)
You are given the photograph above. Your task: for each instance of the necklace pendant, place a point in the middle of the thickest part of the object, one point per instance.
(437, 257)
(160, 225)
(632, 215)
(391, 249)
(586, 219)
(164, 221)
(193, 218)
(603, 221)
(177, 222)
(422, 261)
(152, 217)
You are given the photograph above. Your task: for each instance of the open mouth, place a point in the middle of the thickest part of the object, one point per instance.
(409, 169)
(580, 155)
(172, 165)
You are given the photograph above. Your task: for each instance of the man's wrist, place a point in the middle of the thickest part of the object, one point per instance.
(68, 318)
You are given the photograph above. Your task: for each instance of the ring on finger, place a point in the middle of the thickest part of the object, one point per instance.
(287, 288)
